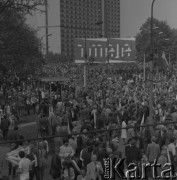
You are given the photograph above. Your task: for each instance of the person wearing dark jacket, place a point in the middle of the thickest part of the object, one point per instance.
(14, 135)
(55, 169)
(33, 157)
(132, 153)
(5, 127)
(86, 154)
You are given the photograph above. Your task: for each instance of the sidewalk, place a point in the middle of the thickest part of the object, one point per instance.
(27, 132)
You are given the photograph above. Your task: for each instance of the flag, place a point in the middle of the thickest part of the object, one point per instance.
(69, 129)
(120, 103)
(142, 122)
(165, 59)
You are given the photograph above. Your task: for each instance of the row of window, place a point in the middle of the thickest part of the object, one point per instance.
(79, 29)
(80, 7)
(81, 23)
(69, 38)
(80, 10)
(83, 17)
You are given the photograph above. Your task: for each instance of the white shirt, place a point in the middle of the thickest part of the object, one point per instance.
(94, 111)
(43, 95)
(25, 165)
(172, 148)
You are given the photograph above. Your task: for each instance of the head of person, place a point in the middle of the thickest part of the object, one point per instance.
(65, 142)
(34, 150)
(153, 139)
(21, 154)
(85, 131)
(83, 172)
(164, 150)
(133, 141)
(94, 158)
(109, 151)
(172, 140)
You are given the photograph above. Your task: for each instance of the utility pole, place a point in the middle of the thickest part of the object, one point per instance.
(144, 66)
(151, 88)
(85, 65)
(46, 30)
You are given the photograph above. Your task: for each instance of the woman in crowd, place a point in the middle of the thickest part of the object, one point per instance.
(55, 169)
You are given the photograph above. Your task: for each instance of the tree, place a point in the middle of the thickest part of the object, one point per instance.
(164, 39)
(20, 54)
(59, 58)
(22, 6)
(53, 57)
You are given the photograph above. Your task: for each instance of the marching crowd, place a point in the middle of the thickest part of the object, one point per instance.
(113, 99)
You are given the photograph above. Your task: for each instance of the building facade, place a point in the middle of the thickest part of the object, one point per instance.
(82, 19)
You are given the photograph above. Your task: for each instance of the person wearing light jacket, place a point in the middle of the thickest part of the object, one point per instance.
(66, 151)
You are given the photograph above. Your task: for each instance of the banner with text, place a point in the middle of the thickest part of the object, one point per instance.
(103, 50)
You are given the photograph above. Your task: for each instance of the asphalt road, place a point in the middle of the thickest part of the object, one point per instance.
(4, 165)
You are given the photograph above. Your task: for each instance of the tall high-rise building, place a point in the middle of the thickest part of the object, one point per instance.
(82, 19)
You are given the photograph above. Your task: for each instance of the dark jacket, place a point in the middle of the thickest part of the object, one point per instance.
(123, 116)
(32, 158)
(102, 154)
(5, 124)
(86, 156)
(132, 154)
(55, 169)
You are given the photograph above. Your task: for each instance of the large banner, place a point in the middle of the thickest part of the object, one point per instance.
(103, 50)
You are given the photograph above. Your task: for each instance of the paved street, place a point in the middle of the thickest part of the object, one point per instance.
(4, 165)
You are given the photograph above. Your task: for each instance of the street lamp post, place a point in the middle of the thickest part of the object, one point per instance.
(46, 22)
(42, 39)
(151, 120)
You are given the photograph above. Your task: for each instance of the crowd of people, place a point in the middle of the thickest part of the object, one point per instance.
(113, 98)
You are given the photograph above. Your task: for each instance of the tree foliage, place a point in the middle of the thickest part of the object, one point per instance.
(22, 6)
(58, 58)
(20, 53)
(164, 38)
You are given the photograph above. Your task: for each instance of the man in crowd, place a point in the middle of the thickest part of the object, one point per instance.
(24, 166)
(5, 127)
(153, 150)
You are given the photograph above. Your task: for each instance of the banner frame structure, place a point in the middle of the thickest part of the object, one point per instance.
(119, 50)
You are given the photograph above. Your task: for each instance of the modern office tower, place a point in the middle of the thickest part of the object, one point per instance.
(82, 19)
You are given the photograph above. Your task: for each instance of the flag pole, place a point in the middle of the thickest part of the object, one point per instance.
(144, 67)
(169, 60)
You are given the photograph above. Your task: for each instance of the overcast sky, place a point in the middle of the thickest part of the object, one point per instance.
(133, 14)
